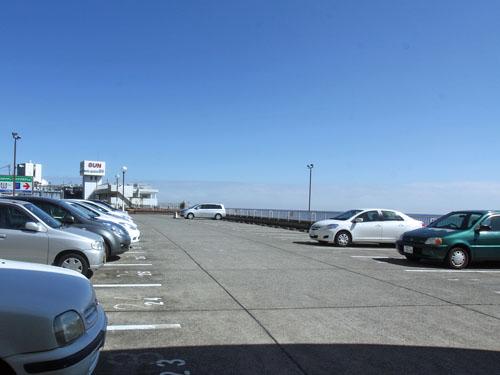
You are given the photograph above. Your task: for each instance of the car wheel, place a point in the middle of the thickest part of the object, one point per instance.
(107, 251)
(190, 216)
(218, 216)
(343, 239)
(457, 258)
(75, 262)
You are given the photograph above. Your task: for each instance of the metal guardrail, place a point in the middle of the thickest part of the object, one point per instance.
(303, 216)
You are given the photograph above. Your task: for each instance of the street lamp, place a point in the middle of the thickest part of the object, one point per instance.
(124, 169)
(116, 197)
(310, 167)
(16, 137)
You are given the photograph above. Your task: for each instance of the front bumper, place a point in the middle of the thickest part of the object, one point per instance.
(96, 258)
(80, 357)
(324, 235)
(422, 251)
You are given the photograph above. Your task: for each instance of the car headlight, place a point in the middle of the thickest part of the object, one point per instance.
(436, 241)
(332, 226)
(68, 327)
(96, 245)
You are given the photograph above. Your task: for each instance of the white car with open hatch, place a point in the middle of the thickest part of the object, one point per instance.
(372, 225)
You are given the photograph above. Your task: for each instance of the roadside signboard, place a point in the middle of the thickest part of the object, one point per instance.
(24, 184)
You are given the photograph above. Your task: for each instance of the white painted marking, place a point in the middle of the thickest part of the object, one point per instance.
(453, 279)
(497, 291)
(127, 265)
(135, 252)
(453, 271)
(372, 256)
(125, 285)
(135, 327)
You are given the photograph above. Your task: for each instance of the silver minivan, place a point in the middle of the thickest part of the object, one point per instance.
(29, 234)
(206, 210)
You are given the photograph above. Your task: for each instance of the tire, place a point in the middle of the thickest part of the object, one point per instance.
(107, 251)
(218, 216)
(75, 262)
(343, 239)
(458, 258)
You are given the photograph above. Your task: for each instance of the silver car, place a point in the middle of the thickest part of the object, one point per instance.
(50, 321)
(29, 234)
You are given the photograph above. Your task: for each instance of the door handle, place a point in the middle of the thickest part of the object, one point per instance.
(3, 235)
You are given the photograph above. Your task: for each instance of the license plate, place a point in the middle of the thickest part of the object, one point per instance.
(408, 249)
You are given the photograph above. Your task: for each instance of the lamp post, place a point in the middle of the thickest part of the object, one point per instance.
(16, 137)
(310, 167)
(124, 169)
(116, 197)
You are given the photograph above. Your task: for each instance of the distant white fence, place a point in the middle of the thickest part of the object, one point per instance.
(307, 216)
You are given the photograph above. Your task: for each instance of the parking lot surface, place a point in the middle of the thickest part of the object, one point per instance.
(216, 297)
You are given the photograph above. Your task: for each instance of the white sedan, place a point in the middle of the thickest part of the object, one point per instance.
(370, 226)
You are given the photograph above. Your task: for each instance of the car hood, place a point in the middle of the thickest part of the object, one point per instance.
(424, 233)
(81, 232)
(323, 223)
(32, 296)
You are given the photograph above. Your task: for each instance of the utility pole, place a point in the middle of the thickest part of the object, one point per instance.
(16, 138)
(310, 167)
(124, 169)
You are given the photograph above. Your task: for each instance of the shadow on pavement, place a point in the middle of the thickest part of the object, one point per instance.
(353, 246)
(311, 359)
(424, 263)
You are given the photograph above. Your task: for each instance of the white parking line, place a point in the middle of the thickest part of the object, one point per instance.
(127, 265)
(125, 285)
(497, 291)
(135, 327)
(372, 256)
(134, 252)
(453, 271)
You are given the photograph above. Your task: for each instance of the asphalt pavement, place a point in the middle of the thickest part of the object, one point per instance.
(215, 297)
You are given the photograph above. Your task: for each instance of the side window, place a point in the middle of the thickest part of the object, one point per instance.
(493, 222)
(391, 216)
(204, 207)
(12, 218)
(369, 216)
(55, 211)
(218, 207)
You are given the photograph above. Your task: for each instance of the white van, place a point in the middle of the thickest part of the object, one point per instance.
(206, 210)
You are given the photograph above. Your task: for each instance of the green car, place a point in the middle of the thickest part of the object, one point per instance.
(458, 238)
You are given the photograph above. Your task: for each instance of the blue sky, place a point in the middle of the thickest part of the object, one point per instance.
(377, 94)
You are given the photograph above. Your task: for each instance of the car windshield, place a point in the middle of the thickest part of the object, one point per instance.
(88, 211)
(97, 207)
(456, 220)
(75, 210)
(106, 204)
(346, 215)
(42, 215)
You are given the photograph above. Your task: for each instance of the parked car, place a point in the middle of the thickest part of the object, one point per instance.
(116, 239)
(50, 320)
(129, 226)
(373, 225)
(106, 210)
(457, 239)
(28, 234)
(206, 210)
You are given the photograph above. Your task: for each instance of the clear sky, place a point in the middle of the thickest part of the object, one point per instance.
(396, 97)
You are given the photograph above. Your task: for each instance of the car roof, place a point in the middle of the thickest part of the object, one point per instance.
(14, 201)
(482, 212)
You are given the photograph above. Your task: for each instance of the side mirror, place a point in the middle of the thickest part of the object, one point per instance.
(68, 219)
(358, 220)
(482, 228)
(33, 227)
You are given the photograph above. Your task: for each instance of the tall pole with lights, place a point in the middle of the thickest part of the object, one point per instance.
(16, 137)
(124, 169)
(310, 167)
